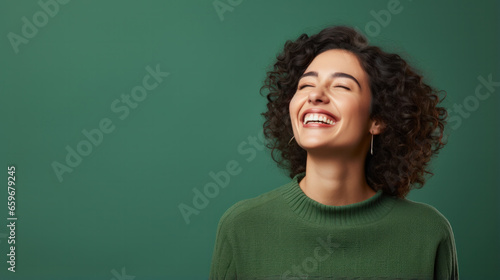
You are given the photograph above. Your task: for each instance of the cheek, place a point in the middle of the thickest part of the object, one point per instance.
(354, 108)
(293, 106)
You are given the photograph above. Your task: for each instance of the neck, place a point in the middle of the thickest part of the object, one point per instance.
(337, 181)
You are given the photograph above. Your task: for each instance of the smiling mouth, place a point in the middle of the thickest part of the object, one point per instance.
(318, 120)
(317, 124)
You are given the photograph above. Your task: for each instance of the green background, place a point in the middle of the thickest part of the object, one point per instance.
(119, 207)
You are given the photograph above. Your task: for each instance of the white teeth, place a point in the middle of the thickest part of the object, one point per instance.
(317, 117)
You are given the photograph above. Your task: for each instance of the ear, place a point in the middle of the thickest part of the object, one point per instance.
(376, 126)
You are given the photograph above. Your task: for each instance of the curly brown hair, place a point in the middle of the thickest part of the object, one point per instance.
(414, 125)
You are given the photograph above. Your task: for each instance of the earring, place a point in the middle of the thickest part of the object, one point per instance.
(291, 139)
(371, 148)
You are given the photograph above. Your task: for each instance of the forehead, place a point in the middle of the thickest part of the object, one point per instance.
(338, 60)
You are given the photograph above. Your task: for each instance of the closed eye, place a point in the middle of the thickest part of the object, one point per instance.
(303, 86)
(343, 87)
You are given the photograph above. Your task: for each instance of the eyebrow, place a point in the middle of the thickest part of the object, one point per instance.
(334, 75)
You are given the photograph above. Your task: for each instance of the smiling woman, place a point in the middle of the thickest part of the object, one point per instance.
(357, 115)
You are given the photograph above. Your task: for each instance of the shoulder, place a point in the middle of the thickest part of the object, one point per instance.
(423, 214)
(252, 208)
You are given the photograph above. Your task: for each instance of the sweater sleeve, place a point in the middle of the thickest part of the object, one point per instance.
(222, 266)
(446, 264)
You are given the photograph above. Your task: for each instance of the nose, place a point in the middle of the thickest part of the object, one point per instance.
(318, 96)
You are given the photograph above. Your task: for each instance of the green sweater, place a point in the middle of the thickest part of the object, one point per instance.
(284, 234)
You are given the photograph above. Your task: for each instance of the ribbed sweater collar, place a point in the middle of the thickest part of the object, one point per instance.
(367, 211)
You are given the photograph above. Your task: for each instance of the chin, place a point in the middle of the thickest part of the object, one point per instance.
(309, 145)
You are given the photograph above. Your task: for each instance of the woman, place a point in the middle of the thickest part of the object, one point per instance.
(355, 127)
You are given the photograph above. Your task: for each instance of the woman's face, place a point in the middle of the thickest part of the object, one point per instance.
(336, 83)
